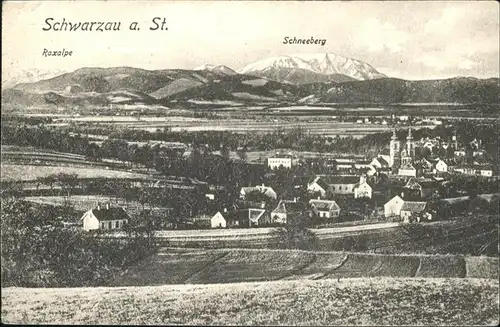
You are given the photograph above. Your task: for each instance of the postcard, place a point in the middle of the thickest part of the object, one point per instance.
(250, 163)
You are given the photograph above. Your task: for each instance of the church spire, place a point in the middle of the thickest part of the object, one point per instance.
(409, 137)
(394, 137)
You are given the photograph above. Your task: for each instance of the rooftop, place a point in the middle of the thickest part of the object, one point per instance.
(413, 206)
(105, 214)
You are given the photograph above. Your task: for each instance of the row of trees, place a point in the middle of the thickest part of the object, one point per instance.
(39, 251)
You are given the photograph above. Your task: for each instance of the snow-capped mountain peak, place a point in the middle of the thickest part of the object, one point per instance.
(319, 63)
(221, 69)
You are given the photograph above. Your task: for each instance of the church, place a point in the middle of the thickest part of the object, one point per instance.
(401, 161)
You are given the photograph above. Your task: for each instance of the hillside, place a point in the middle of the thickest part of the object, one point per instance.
(392, 90)
(284, 79)
(175, 266)
(378, 301)
(339, 68)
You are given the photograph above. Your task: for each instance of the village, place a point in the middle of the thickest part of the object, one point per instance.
(404, 183)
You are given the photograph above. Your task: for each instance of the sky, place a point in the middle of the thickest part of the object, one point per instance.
(403, 39)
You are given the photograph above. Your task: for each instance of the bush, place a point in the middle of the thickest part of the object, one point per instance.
(38, 251)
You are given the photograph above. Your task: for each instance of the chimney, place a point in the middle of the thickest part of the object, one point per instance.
(98, 206)
(362, 179)
(107, 205)
(294, 199)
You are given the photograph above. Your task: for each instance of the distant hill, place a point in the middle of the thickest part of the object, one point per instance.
(392, 90)
(127, 85)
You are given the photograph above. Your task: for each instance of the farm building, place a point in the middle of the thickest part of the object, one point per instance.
(393, 207)
(105, 218)
(249, 217)
(414, 211)
(422, 186)
(286, 211)
(218, 221)
(325, 208)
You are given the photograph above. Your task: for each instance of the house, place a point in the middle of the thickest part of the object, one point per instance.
(218, 221)
(441, 166)
(288, 211)
(318, 184)
(369, 171)
(407, 170)
(424, 186)
(325, 208)
(284, 160)
(414, 211)
(248, 193)
(249, 217)
(379, 162)
(475, 170)
(393, 207)
(427, 164)
(257, 217)
(201, 221)
(341, 184)
(105, 218)
(362, 164)
(362, 189)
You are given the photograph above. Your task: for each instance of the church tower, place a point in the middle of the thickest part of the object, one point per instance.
(394, 151)
(410, 145)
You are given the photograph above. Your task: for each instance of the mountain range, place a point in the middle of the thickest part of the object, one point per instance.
(313, 78)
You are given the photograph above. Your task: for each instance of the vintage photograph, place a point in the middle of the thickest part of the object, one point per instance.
(330, 163)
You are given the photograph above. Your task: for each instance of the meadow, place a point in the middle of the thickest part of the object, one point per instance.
(374, 301)
(14, 172)
(189, 266)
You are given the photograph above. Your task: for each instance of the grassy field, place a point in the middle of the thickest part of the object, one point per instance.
(249, 266)
(452, 266)
(87, 202)
(181, 266)
(378, 301)
(167, 267)
(12, 172)
(482, 267)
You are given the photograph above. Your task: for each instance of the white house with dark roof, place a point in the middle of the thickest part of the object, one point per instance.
(218, 221)
(362, 189)
(325, 208)
(393, 207)
(286, 209)
(105, 218)
(414, 210)
(441, 166)
(318, 185)
(284, 160)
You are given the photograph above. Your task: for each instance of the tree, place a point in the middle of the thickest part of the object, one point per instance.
(67, 181)
(242, 153)
(225, 152)
(50, 180)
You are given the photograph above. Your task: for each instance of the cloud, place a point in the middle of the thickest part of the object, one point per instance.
(446, 22)
(376, 36)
